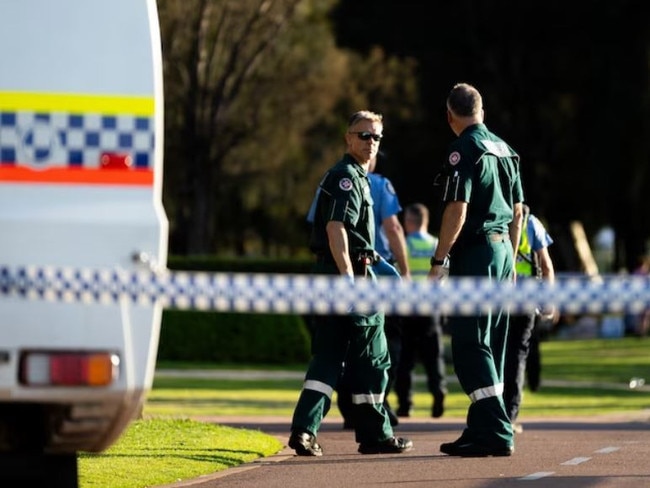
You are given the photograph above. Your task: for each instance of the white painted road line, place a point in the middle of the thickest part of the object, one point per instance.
(576, 461)
(536, 476)
(607, 450)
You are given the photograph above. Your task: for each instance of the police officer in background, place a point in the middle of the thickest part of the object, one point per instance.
(421, 334)
(481, 223)
(343, 240)
(522, 349)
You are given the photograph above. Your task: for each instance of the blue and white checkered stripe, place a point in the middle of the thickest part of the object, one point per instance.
(309, 294)
(74, 140)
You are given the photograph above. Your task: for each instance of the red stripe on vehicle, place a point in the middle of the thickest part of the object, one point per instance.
(87, 176)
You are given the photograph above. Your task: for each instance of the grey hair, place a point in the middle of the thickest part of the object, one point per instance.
(365, 115)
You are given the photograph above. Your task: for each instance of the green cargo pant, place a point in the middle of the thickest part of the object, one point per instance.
(478, 345)
(358, 343)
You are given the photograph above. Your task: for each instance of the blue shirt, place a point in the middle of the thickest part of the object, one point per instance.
(538, 237)
(385, 204)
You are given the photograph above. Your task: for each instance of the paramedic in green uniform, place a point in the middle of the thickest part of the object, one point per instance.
(481, 224)
(343, 239)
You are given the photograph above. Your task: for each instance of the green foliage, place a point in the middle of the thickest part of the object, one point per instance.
(257, 95)
(233, 337)
(191, 335)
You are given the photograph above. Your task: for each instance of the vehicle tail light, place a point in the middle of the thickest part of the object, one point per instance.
(43, 368)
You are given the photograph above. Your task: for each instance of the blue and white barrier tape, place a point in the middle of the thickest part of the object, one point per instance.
(311, 294)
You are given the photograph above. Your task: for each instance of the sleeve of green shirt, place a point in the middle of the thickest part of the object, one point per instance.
(345, 202)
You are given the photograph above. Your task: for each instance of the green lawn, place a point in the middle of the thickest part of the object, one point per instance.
(168, 444)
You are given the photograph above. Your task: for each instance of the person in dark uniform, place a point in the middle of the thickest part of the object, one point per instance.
(522, 349)
(422, 334)
(481, 222)
(343, 240)
(390, 244)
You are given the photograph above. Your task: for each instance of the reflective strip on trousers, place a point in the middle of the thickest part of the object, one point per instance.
(319, 386)
(487, 392)
(371, 398)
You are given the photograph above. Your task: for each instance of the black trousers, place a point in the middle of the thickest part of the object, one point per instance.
(522, 358)
(421, 339)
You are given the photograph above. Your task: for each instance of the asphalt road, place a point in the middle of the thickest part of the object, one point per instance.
(594, 452)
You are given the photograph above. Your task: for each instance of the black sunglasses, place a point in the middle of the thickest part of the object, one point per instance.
(365, 135)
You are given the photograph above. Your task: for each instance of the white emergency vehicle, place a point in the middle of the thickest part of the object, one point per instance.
(81, 138)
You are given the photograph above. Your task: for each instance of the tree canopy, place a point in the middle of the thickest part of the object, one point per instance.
(254, 92)
(258, 92)
(566, 83)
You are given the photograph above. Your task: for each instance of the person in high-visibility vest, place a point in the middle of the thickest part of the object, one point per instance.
(522, 347)
(421, 334)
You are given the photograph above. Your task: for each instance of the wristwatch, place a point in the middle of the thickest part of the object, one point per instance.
(438, 262)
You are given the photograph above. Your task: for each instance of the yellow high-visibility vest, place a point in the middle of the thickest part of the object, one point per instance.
(420, 251)
(525, 264)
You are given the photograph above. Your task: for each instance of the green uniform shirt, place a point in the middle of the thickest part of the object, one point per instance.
(345, 197)
(480, 159)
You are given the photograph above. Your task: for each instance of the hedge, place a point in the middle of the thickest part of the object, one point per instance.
(196, 336)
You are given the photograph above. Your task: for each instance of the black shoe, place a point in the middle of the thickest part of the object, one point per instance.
(394, 445)
(472, 449)
(305, 444)
(438, 405)
(463, 439)
(403, 412)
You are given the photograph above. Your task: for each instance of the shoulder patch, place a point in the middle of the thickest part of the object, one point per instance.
(389, 187)
(454, 158)
(345, 184)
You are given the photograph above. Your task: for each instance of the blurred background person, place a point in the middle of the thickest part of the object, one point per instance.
(639, 324)
(522, 347)
(421, 334)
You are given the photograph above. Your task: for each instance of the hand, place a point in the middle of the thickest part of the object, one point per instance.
(548, 313)
(438, 272)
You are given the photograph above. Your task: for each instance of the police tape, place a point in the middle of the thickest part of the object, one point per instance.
(322, 295)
